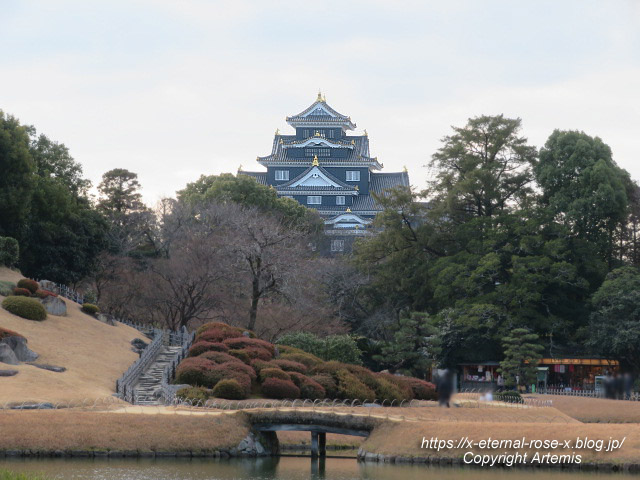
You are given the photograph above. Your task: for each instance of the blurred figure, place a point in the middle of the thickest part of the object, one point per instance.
(445, 387)
(628, 386)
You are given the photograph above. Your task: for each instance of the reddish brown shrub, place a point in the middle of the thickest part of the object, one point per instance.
(241, 355)
(258, 364)
(229, 389)
(241, 368)
(255, 352)
(245, 342)
(422, 390)
(220, 331)
(4, 333)
(201, 346)
(306, 359)
(273, 373)
(328, 383)
(29, 284)
(309, 388)
(45, 294)
(220, 357)
(277, 388)
(193, 371)
(228, 371)
(290, 366)
(21, 292)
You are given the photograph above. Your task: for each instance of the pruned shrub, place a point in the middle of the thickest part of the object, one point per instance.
(227, 371)
(509, 396)
(422, 390)
(21, 292)
(229, 389)
(255, 352)
(241, 368)
(6, 288)
(193, 371)
(217, 332)
(342, 348)
(90, 308)
(258, 364)
(219, 357)
(290, 366)
(24, 307)
(241, 355)
(306, 359)
(328, 383)
(45, 293)
(193, 394)
(5, 332)
(201, 346)
(280, 389)
(29, 284)
(386, 390)
(9, 251)
(309, 388)
(246, 342)
(350, 387)
(274, 373)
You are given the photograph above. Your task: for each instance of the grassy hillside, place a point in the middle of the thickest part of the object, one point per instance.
(94, 354)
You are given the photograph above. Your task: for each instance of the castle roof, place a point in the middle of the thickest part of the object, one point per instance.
(320, 114)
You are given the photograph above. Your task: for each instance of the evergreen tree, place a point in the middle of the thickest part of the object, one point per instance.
(521, 358)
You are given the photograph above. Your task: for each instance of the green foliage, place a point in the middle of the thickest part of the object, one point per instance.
(244, 190)
(9, 251)
(6, 288)
(90, 308)
(411, 349)
(614, 329)
(521, 357)
(29, 284)
(193, 394)
(510, 396)
(24, 307)
(7, 475)
(229, 389)
(304, 358)
(584, 187)
(341, 348)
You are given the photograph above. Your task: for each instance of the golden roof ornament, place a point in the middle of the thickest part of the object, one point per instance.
(404, 169)
(277, 131)
(319, 99)
(348, 210)
(357, 188)
(315, 162)
(365, 133)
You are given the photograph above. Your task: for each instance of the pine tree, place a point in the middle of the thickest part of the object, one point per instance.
(521, 357)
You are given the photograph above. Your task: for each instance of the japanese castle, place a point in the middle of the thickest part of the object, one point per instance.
(322, 167)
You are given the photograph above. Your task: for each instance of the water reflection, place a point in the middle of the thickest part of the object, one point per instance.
(285, 468)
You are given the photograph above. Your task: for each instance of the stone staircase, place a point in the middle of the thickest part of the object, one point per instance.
(148, 387)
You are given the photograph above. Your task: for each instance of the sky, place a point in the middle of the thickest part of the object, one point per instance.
(172, 90)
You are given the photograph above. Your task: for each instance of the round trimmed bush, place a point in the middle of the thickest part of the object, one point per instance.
(309, 388)
(193, 394)
(193, 371)
(328, 383)
(281, 389)
(252, 353)
(274, 373)
(220, 357)
(241, 368)
(24, 307)
(201, 346)
(229, 389)
(241, 355)
(509, 396)
(45, 293)
(245, 342)
(21, 292)
(29, 284)
(226, 371)
(90, 308)
(351, 388)
(217, 332)
(306, 359)
(422, 390)
(290, 366)
(258, 365)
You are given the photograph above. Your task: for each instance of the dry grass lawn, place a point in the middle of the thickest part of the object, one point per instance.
(73, 430)
(596, 410)
(94, 354)
(404, 438)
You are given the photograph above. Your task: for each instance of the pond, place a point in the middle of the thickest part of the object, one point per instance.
(283, 468)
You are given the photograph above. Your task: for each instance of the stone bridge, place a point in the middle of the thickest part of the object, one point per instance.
(319, 423)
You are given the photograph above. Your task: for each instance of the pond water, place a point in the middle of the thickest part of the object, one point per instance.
(283, 468)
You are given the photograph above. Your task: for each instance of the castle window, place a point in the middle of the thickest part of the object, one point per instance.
(282, 174)
(353, 175)
(340, 200)
(314, 200)
(321, 152)
(305, 133)
(337, 245)
(331, 133)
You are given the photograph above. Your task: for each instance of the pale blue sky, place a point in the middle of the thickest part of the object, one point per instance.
(174, 89)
